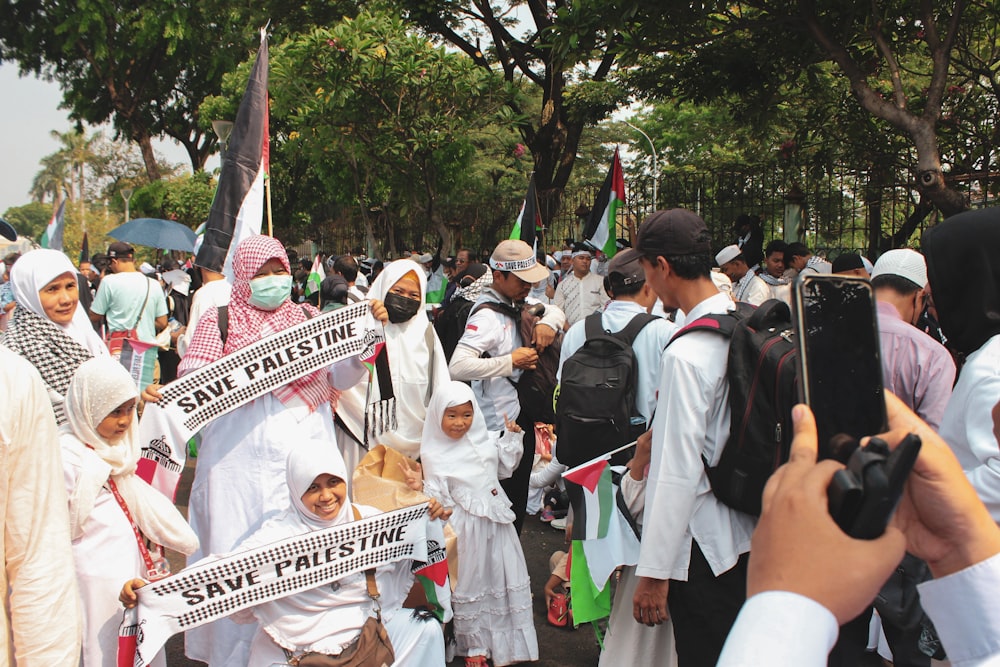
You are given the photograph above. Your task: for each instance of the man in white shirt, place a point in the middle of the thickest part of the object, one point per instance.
(492, 355)
(631, 295)
(747, 285)
(214, 292)
(806, 576)
(800, 258)
(580, 292)
(773, 268)
(694, 548)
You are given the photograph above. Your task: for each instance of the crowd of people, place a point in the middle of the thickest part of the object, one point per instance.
(475, 353)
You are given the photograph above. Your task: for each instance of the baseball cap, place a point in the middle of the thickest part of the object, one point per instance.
(625, 269)
(674, 231)
(517, 257)
(728, 254)
(902, 262)
(120, 249)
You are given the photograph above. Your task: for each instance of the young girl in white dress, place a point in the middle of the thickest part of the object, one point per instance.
(462, 465)
(111, 510)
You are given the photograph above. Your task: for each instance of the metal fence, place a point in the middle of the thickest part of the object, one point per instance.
(830, 212)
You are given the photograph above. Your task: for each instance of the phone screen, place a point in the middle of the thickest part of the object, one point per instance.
(841, 368)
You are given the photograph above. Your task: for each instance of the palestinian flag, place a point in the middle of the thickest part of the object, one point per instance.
(593, 506)
(433, 575)
(528, 220)
(603, 220)
(316, 276)
(238, 208)
(603, 539)
(53, 236)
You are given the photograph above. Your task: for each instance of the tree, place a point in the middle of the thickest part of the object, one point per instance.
(895, 58)
(143, 65)
(385, 113)
(567, 53)
(29, 220)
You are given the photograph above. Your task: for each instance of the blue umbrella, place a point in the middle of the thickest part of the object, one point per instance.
(156, 233)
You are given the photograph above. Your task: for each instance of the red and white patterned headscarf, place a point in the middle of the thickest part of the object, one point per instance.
(248, 324)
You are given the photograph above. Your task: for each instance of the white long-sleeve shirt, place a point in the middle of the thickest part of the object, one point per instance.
(38, 576)
(691, 421)
(967, 424)
(779, 628)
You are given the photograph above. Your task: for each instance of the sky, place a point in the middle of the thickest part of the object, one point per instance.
(29, 113)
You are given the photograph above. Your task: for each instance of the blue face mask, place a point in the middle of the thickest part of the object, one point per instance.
(269, 292)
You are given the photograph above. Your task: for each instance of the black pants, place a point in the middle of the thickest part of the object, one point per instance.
(704, 608)
(516, 486)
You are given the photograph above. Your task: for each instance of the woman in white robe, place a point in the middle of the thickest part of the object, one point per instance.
(239, 480)
(492, 599)
(100, 448)
(48, 327)
(417, 367)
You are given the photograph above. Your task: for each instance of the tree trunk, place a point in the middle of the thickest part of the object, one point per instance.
(148, 156)
(930, 179)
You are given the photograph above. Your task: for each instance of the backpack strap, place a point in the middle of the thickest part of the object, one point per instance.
(723, 324)
(503, 308)
(594, 327)
(224, 323)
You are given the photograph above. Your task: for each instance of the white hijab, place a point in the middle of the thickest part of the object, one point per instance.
(36, 269)
(99, 386)
(417, 365)
(469, 464)
(324, 618)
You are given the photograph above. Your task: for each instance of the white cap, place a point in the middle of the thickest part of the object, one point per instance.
(728, 254)
(903, 262)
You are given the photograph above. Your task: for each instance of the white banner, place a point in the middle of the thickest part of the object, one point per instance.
(210, 591)
(187, 404)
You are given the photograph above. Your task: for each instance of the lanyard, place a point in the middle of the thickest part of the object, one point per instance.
(154, 570)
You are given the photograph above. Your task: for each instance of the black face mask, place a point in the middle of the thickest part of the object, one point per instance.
(400, 308)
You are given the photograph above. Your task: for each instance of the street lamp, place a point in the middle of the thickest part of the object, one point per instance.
(126, 195)
(656, 173)
(222, 129)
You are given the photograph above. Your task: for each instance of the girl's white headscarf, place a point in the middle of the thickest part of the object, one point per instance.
(99, 386)
(468, 463)
(308, 460)
(36, 269)
(323, 618)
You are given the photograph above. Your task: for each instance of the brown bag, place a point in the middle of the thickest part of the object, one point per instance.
(372, 648)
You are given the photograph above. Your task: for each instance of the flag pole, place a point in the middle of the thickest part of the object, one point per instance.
(267, 197)
(603, 457)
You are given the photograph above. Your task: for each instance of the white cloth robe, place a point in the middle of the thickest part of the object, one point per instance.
(105, 557)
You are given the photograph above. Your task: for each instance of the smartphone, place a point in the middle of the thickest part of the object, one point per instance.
(840, 367)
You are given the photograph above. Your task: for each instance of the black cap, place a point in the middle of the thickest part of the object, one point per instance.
(120, 249)
(624, 268)
(847, 261)
(675, 231)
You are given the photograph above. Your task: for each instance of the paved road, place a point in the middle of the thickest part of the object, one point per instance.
(557, 647)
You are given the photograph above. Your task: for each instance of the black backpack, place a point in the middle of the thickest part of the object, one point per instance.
(597, 390)
(763, 387)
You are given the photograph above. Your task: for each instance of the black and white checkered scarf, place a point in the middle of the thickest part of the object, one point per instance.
(49, 349)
